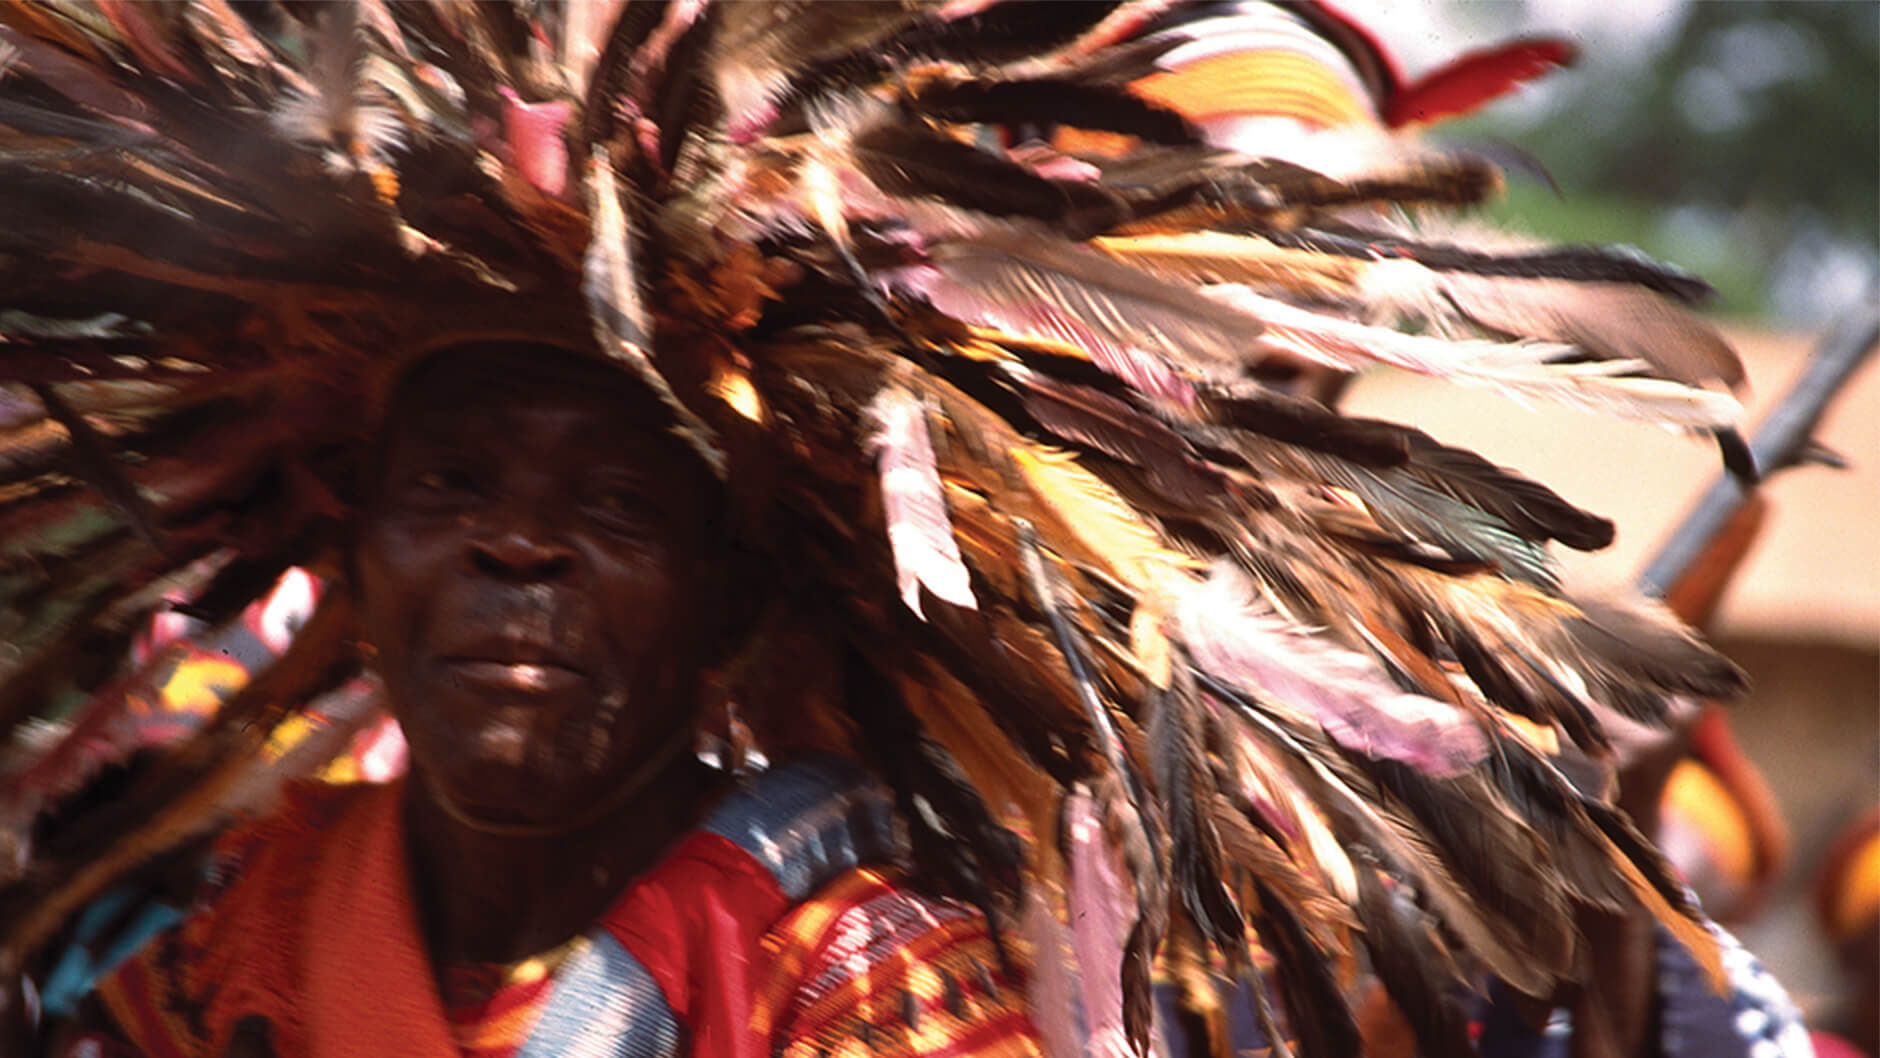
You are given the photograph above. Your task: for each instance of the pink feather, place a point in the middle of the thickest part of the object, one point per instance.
(533, 132)
(1044, 322)
(1238, 641)
(1101, 912)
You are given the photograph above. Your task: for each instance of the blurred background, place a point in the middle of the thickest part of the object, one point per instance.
(1740, 140)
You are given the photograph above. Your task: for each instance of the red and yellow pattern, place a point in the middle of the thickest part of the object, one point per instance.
(869, 968)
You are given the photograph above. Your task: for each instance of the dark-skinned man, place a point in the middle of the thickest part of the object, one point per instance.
(538, 576)
(1149, 652)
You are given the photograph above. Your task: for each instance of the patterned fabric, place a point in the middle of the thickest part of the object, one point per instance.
(868, 968)
(711, 953)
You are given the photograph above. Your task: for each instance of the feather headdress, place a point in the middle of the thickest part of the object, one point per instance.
(1010, 299)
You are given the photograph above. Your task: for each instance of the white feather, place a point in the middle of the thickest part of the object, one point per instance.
(1521, 370)
(914, 504)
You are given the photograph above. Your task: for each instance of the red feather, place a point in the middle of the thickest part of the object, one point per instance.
(1460, 86)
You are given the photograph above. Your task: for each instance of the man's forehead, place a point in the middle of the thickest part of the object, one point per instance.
(494, 371)
(491, 403)
(514, 419)
(474, 387)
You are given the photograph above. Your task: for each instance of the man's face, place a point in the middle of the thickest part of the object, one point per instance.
(532, 578)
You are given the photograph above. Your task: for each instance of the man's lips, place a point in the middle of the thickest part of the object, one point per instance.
(528, 676)
(508, 663)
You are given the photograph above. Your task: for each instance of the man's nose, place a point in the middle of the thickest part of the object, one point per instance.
(520, 552)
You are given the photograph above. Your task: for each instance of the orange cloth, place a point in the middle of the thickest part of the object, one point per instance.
(361, 902)
(320, 885)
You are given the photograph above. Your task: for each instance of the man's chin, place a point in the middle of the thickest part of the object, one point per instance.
(502, 797)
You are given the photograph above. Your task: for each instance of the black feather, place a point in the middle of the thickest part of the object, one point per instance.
(1317, 1014)
(1524, 505)
(1178, 766)
(1121, 430)
(1415, 969)
(1657, 654)
(1299, 421)
(920, 163)
(1046, 101)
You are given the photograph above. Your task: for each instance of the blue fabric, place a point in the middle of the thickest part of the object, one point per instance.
(109, 930)
(604, 1005)
(809, 820)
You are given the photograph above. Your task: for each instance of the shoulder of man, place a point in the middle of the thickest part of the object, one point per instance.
(783, 910)
(862, 956)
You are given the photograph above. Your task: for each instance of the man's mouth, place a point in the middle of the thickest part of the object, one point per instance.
(527, 676)
(512, 663)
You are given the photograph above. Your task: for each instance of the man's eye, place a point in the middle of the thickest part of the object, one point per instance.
(621, 507)
(444, 481)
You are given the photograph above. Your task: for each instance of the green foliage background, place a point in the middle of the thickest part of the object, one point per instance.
(1745, 147)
